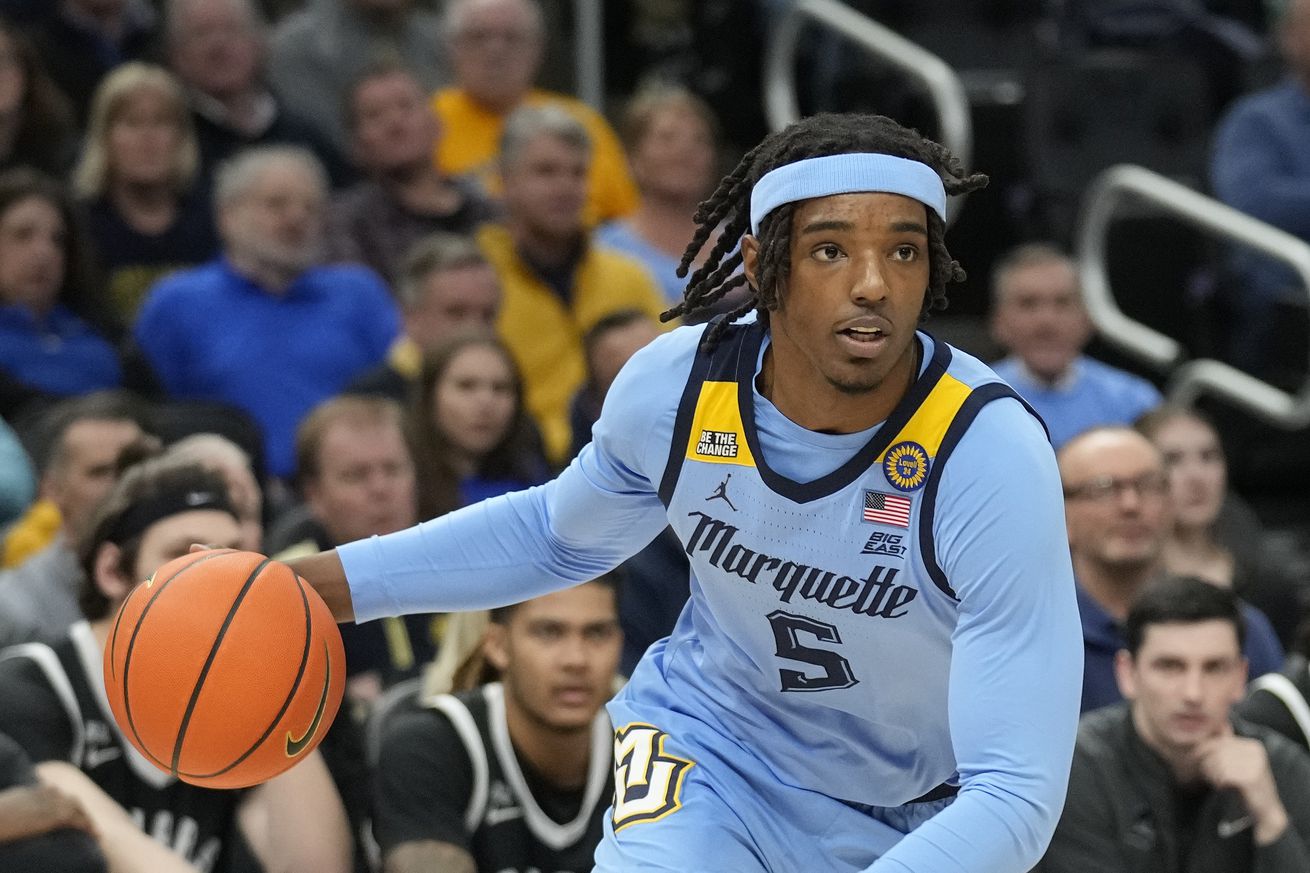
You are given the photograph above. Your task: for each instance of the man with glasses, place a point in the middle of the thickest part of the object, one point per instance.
(1117, 513)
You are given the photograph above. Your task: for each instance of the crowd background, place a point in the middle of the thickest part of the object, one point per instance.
(370, 261)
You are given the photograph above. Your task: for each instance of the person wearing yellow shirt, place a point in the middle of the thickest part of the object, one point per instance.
(556, 282)
(495, 49)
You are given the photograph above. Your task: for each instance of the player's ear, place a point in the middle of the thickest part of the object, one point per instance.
(494, 648)
(109, 577)
(750, 259)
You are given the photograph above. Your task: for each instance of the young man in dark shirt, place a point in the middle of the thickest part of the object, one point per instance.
(1170, 781)
(515, 775)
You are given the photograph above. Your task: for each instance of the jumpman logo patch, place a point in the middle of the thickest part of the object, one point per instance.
(721, 493)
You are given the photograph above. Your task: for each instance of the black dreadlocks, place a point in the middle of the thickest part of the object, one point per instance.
(813, 137)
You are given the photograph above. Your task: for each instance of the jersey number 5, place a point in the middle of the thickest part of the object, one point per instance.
(787, 630)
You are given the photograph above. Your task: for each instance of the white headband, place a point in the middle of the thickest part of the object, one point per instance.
(846, 174)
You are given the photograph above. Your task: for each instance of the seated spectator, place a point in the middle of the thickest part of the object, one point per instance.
(1261, 165)
(1038, 317)
(1171, 780)
(42, 829)
(220, 455)
(445, 285)
(266, 328)
(495, 51)
(1210, 538)
(137, 174)
(671, 137)
(55, 336)
(405, 198)
(606, 347)
(17, 484)
(80, 41)
(55, 705)
(216, 47)
(356, 473)
(318, 53)
(515, 775)
(1282, 700)
(472, 437)
(557, 284)
(36, 120)
(81, 442)
(1118, 517)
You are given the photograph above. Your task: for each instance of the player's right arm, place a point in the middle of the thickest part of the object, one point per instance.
(598, 512)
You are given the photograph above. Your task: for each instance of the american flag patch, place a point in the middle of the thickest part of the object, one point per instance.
(880, 508)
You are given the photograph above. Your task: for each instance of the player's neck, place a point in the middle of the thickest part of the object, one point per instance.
(562, 758)
(808, 399)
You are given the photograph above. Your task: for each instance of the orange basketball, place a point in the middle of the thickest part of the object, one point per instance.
(225, 668)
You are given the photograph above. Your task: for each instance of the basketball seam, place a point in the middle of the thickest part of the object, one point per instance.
(131, 644)
(286, 704)
(209, 662)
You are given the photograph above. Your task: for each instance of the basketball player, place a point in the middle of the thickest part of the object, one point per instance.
(513, 776)
(55, 707)
(879, 665)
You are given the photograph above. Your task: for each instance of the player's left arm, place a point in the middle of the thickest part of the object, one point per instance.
(1016, 666)
(295, 823)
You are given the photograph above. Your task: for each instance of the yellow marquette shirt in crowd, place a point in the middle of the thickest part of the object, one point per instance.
(470, 142)
(545, 335)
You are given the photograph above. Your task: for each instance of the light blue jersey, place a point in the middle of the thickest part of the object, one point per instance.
(875, 617)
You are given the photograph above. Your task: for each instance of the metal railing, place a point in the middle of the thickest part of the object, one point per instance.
(933, 74)
(1188, 380)
(589, 52)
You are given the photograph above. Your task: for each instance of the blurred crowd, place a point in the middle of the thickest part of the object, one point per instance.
(356, 264)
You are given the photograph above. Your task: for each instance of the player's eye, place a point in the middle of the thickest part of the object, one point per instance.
(827, 252)
(905, 253)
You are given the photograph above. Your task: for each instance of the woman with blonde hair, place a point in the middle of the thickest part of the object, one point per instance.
(147, 212)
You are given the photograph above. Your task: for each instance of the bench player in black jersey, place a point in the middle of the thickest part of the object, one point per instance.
(514, 776)
(54, 706)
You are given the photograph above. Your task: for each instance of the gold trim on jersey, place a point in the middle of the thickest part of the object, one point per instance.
(927, 427)
(717, 435)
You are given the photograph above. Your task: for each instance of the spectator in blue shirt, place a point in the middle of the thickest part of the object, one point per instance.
(1038, 317)
(671, 137)
(266, 327)
(53, 335)
(1118, 514)
(1261, 165)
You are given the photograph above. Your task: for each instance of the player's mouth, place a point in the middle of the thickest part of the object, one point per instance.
(574, 695)
(862, 339)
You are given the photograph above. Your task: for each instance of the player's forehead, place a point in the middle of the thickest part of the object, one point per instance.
(865, 212)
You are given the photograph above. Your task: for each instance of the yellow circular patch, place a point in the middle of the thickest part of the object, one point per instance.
(906, 466)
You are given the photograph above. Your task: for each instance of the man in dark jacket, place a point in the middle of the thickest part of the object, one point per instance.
(1170, 781)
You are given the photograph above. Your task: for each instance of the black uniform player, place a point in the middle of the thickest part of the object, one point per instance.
(515, 776)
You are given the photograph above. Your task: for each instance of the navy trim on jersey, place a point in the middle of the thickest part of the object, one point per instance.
(978, 398)
(700, 367)
(862, 460)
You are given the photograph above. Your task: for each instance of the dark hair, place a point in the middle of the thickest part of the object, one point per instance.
(81, 291)
(51, 428)
(1181, 600)
(611, 580)
(729, 207)
(144, 482)
(46, 126)
(512, 457)
(616, 320)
